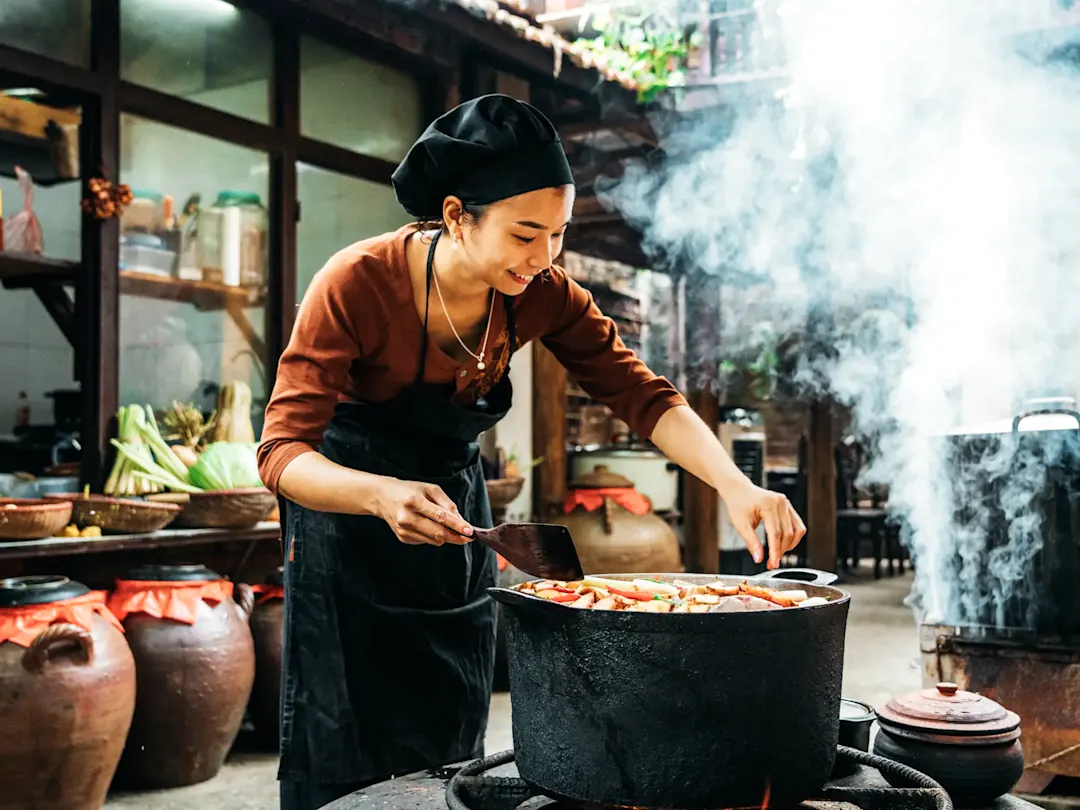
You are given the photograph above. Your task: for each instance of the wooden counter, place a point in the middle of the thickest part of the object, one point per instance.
(168, 538)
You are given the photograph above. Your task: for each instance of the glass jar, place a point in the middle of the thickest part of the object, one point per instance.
(232, 240)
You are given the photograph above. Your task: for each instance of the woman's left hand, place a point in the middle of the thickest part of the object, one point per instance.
(749, 506)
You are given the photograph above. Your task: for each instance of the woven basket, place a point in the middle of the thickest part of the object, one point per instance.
(503, 490)
(227, 509)
(32, 519)
(117, 515)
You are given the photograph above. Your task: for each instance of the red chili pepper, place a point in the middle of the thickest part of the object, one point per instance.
(565, 597)
(641, 596)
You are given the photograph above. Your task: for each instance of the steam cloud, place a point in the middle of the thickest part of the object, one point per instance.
(916, 183)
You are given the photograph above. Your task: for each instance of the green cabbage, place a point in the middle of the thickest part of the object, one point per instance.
(225, 465)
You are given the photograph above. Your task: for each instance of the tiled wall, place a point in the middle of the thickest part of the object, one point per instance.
(34, 356)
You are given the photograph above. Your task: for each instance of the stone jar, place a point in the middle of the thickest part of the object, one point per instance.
(612, 539)
(267, 629)
(194, 681)
(67, 701)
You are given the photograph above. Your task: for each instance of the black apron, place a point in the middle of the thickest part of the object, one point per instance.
(389, 648)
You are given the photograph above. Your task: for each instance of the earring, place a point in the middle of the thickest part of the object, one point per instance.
(453, 242)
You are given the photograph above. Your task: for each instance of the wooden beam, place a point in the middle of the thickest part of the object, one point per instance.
(821, 488)
(549, 433)
(97, 287)
(284, 203)
(701, 526)
(634, 129)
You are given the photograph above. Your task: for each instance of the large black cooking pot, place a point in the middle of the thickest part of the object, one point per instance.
(677, 710)
(1016, 523)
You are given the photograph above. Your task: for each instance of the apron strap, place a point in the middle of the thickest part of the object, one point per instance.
(429, 272)
(508, 305)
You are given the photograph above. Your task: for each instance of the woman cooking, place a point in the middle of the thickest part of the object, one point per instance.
(399, 359)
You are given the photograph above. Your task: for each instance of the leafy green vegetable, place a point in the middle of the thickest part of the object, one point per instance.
(226, 465)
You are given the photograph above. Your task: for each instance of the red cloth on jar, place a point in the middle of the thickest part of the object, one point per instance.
(178, 601)
(592, 499)
(267, 593)
(23, 624)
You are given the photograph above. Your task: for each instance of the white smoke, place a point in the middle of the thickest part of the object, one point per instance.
(915, 183)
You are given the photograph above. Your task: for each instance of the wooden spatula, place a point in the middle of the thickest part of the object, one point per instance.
(541, 550)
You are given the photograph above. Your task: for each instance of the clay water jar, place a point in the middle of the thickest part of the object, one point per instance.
(267, 630)
(612, 538)
(194, 681)
(66, 703)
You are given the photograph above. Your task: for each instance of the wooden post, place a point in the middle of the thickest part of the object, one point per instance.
(701, 507)
(549, 433)
(821, 488)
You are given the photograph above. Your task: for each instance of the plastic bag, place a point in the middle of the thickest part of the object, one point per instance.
(22, 232)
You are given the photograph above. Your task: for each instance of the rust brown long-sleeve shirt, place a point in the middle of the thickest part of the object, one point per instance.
(357, 338)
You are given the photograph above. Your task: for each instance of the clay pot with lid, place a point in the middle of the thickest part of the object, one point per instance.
(67, 695)
(966, 742)
(267, 630)
(612, 538)
(194, 679)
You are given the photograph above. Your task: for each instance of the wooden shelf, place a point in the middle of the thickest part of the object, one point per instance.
(20, 271)
(25, 270)
(67, 546)
(204, 295)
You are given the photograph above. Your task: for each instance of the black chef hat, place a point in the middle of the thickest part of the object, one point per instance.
(482, 151)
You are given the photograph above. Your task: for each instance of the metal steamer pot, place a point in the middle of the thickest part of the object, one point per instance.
(1016, 487)
(677, 710)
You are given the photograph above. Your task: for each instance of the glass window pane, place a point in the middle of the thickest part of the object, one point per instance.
(41, 139)
(335, 211)
(58, 29)
(193, 267)
(206, 51)
(356, 104)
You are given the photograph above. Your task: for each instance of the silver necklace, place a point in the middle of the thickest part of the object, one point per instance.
(480, 364)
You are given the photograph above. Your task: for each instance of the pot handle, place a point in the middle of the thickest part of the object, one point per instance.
(1047, 407)
(245, 598)
(811, 576)
(33, 660)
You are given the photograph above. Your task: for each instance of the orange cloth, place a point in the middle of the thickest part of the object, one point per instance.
(592, 499)
(178, 601)
(268, 592)
(23, 624)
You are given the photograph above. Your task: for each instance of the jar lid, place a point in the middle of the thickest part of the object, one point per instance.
(227, 198)
(172, 573)
(948, 709)
(38, 590)
(601, 478)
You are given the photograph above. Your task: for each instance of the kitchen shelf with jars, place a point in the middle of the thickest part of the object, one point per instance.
(643, 305)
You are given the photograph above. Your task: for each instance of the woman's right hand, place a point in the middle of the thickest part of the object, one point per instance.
(421, 513)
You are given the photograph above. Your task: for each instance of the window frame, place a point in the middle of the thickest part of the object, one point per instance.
(105, 97)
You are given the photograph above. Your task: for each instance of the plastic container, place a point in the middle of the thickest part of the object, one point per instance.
(232, 240)
(142, 253)
(146, 212)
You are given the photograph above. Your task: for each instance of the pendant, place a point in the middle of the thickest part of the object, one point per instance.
(481, 365)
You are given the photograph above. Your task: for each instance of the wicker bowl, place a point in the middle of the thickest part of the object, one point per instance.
(29, 519)
(117, 515)
(503, 490)
(225, 509)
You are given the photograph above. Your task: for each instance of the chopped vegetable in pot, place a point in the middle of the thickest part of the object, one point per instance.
(652, 596)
